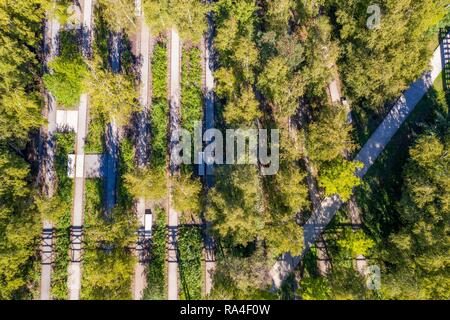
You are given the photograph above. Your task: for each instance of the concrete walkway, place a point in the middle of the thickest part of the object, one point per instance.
(47, 165)
(368, 155)
(143, 43)
(74, 279)
(175, 104)
(74, 270)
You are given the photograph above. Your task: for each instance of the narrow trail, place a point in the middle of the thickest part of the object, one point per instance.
(175, 116)
(143, 50)
(76, 235)
(47, 158)
(368, 155)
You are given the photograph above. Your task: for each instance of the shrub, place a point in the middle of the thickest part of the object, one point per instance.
(65, 81)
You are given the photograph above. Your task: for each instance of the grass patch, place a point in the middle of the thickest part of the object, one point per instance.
(191, 88)
(381, 188)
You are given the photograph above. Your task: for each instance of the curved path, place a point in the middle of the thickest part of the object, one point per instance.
(368, 155)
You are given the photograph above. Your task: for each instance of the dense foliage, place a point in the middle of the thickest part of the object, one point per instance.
(20, 27)
(190, 262)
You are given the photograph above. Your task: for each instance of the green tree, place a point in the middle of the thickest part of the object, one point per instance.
(119, 14)
(378, 64)
(112, 95)
(187, 195)
(235, 204)
(149, 184)
(329, 136)
(19, 113)
(338, 178)
(418, 253)
(187, 16)
(355, 243)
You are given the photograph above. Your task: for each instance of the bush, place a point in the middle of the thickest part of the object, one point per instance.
(65, 81)
(338, 177)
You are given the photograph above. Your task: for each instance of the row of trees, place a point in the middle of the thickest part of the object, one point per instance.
(20, 114)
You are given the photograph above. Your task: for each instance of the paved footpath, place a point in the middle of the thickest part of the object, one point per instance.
(368, 155)
(175, 104)
(48, 152)
(143, 43)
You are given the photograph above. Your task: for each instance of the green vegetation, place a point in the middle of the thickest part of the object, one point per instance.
(156, 269)
(109, 236)
(150, 184)
(190, 262)
(160, 107)
(119, 14)
(339, 178)
(187, 16)
(108, 264)
(62, 216)
(242, 273)
(376, 66)
(191, 89)
(186, 195)
(274, 61)
(417, 254)
(67, 72)
(112, 95)
(20, 114)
